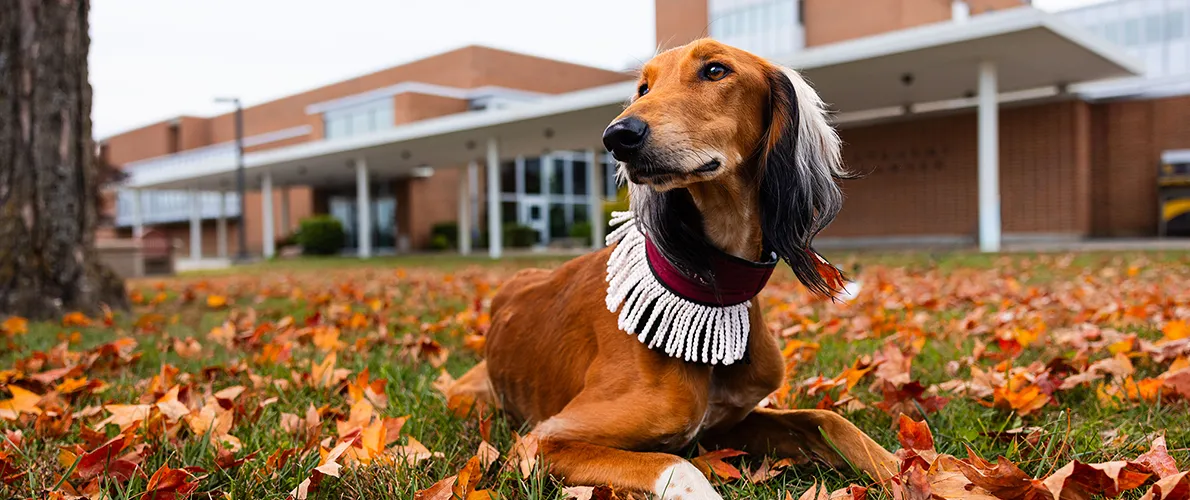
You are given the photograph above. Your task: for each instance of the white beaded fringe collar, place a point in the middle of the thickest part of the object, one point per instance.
(684, 329)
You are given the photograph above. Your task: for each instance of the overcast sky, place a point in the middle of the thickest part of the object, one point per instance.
(153, 60)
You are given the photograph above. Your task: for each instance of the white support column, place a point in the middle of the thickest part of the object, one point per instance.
(266, 213)
(221, 226)
(473, 180)
(138, 214)
(363, 209)
(195, 225)
(285, 227)
(464, 221)
(595, 191)
(495, 228)
(989, 159)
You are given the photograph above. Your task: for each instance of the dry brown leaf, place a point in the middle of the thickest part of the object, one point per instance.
(523, 456)
(487, 454)
(1157, 459)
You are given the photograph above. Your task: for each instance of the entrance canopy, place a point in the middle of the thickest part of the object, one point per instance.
(910, 69)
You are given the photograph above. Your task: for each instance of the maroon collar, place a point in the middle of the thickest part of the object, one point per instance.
(736, 280)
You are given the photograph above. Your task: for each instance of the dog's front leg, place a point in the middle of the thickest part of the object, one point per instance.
(814, 434)
(667, 476)
(591, 443)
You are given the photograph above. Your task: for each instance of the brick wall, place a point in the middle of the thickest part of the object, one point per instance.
(1127, 140)
(421, 203)
(827, 21)
(410, 107)
(138, 144)
(678, 22)
(921, 175)
(830, 21)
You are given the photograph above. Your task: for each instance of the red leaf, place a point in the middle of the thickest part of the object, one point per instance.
(914, 435)
(1004, 480)
(104, 460)
(169, 484)
(1157, 459)
(1175, 487)
(1078, 481)
(711, 464)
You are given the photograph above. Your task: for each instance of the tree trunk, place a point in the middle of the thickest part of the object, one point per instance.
(49, 180)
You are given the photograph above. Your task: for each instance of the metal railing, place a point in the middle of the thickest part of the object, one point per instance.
(160, 207)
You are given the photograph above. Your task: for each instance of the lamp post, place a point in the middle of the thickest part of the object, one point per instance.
(242, 248)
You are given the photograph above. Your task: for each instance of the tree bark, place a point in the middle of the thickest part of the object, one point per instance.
(49, 179)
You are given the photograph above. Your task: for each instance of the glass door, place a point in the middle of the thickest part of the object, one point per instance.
(343, 208)
(383, 211)
(534, 215)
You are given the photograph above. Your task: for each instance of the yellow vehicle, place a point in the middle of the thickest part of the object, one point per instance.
(1173, 193)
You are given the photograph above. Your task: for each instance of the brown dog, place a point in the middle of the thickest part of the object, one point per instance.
(727, 154)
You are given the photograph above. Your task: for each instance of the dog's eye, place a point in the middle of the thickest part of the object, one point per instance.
(644, 89)
(714, 71)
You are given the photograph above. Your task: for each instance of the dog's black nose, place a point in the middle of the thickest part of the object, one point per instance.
(624, 138)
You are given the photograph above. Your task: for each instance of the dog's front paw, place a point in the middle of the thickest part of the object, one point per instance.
(683, 481)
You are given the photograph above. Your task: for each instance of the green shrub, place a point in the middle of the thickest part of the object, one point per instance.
(439, 242)
(448, 231)
(320, 235)
(518, 236)
(619, 205)
(581, 231)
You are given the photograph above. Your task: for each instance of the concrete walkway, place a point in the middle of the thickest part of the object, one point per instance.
(1103, 245)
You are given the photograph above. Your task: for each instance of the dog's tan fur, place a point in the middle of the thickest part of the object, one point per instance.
(606, 409)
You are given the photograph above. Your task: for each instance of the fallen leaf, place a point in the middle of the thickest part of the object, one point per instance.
(329, 464)
(1176, 330)
(523, 456)
(1077, 480)
(123, 416)
(216, 301)
(1175, 487)
(169, 484)
(468, 478)
(171, 407)
(105, 460)
(487, 454)
(1157, 459)
(14, 325)
(711, 464)
(441, 490)
(22, 401)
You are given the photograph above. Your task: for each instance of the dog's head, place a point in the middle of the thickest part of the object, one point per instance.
(710, 116)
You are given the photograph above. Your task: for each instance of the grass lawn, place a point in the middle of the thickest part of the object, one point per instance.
(1042, 359)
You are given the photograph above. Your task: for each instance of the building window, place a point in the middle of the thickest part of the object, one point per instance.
(767, 27)
(558, 226)
(1175, 25)
(550, 193)
(1153, 29)
(508, 177)
(533, 176)
(1111, 31)
(1132, 32)
(358, 119)
(508, 212)
(558, 176)
(578, 172)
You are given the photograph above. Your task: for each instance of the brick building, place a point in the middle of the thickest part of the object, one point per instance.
(404, 205)
(1077, 164)
(975, 121)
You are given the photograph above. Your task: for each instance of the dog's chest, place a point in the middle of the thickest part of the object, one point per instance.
(732, 398)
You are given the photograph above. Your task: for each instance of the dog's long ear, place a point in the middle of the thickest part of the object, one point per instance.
(799, 161)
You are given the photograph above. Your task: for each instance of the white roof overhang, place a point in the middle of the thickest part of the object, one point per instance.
(929, 64)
